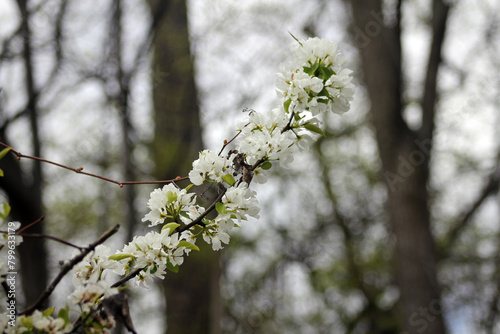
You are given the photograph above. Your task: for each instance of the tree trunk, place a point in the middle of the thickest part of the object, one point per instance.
(25, 193)
(193, 294)
(121, 100)
(405, 157)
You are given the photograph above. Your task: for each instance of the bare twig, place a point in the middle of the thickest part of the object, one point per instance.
(68, 267)
(489, 188)
(79, 170)
(198, 221)
(228, 142)
(128, 277)
(30, 224)
(45, 236)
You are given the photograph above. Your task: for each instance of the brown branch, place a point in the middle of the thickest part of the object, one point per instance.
(464, 219)
(430, 95)
(45, 236)
(198, 221)
(228, 142)
(79, 170)
(30, 224)
(128, 277)
(46, 294)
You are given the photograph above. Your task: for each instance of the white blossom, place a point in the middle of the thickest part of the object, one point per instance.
(213, 234)
(88, 294)
(301, 88)
(173, 203)
(91, 267)
(316, 79)
(42, 323)
(309, 51)
(153, 252)
(210, 167)
(262, 137)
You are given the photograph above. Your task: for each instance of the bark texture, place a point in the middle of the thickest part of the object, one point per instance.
(193, 294)
(25, 191)
(405, 156)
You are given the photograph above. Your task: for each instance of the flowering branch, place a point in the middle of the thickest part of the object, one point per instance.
(67, 267)
(309, 86)
(127, 278)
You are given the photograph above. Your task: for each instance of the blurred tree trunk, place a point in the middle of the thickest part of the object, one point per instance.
(193, 294)
(120, 98)
(25, 192)
(405, 156)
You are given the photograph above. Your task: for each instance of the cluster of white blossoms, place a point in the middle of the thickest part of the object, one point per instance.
(316, 80)
(41, 322)
(262, 138)
(313, 83)
(237, 203)
(172, 203)
(211, 167)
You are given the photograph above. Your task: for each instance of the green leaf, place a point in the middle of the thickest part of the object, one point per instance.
(97, 325)
(220, 207)
(172, 268)
(171, 196)
(27, 322)
(266, 165)
(48, 312)
(6, 210)
(120, 256)
(63, 314)
(1, 172)
(229, 179)
(153, 270)
(314, 128)
(189, 187)
(171, 226)
(311, 70)
(286, 105)
(325, 72)
(4, 152)
(188, 245)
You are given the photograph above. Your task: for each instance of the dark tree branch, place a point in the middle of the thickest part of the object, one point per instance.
(430, 95)
(125, 279)
(67, 267)
(490, 188)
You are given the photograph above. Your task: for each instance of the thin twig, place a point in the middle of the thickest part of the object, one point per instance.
(79, 170)
(198, 221)
(46, 294)
(128, 277)
(229, 142)
(31, 224)
(45, 236)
